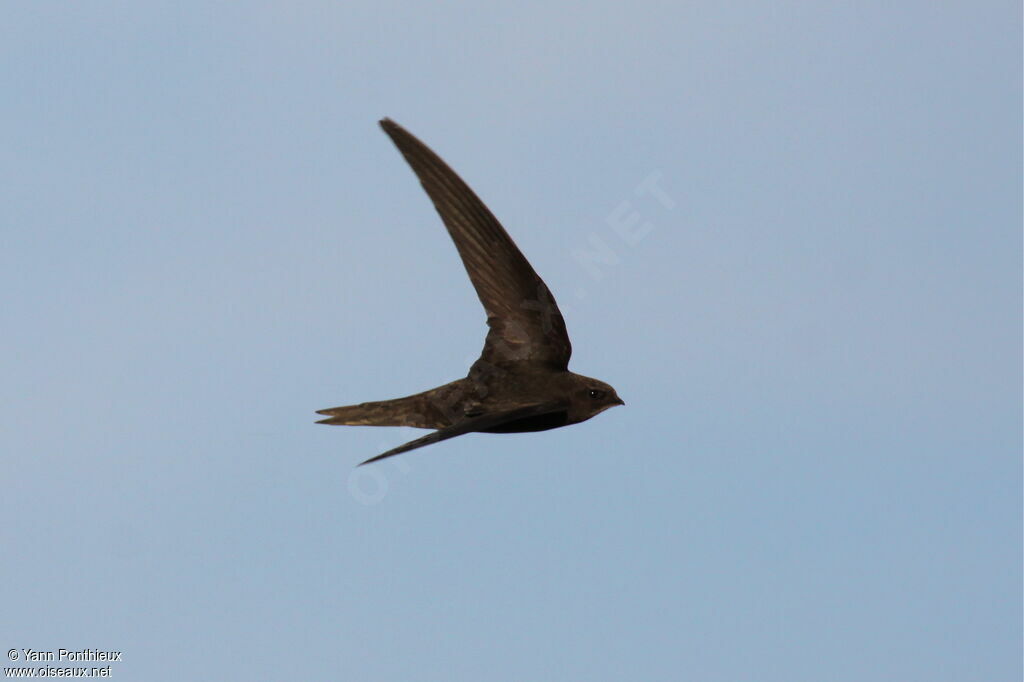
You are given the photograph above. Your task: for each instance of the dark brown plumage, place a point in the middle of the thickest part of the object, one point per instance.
(521, 381)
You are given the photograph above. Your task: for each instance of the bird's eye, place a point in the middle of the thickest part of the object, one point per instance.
(595, 394)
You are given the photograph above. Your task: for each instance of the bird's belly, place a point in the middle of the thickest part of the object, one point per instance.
(541, 422)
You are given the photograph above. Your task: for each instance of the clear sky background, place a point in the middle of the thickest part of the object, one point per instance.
(206, 237)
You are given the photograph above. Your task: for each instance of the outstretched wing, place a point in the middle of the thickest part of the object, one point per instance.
(481, 423)
(524, 320)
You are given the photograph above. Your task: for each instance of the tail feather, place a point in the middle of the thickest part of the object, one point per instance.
(428, 410)
(382, 413)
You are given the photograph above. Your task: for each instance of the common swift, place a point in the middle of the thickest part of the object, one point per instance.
(521, 382)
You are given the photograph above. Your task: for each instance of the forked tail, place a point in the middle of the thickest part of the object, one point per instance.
(431, 409)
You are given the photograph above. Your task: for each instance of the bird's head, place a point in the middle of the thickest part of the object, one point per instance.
(590, 397)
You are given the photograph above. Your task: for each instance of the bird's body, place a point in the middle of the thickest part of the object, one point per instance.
(521, 381)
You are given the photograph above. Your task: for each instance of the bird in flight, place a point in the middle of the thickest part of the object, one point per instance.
(521, 382)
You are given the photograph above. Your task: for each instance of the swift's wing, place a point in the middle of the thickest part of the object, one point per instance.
(486, 421)
(525, 322)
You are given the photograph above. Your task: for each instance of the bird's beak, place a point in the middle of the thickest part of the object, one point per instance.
(619, 401)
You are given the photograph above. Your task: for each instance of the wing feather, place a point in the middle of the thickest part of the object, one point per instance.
(524, 320)
(480, 423)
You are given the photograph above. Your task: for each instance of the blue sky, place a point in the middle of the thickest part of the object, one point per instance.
(817, 331)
